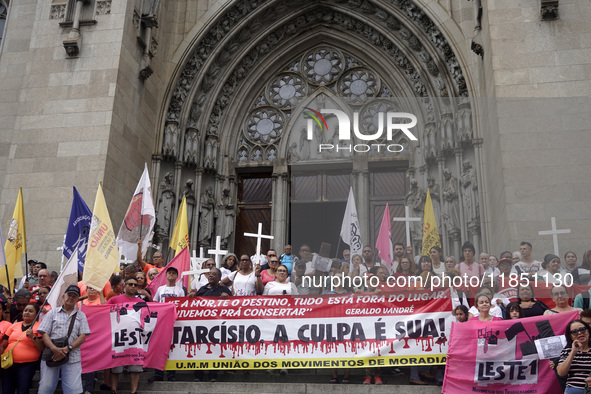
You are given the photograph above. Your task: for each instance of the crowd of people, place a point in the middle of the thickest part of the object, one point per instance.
(45, 339)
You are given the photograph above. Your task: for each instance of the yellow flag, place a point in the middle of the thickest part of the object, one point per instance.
(180, 236)
(16, 244)
(102, 256)
(430, 232)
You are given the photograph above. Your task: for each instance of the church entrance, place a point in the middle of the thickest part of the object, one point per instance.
(254, 207)
(318, 201)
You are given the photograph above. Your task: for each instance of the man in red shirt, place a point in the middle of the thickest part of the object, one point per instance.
(157, 259)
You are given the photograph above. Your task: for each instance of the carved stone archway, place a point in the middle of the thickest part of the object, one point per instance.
(253, 45)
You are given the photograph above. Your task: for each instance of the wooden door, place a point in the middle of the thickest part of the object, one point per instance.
(254, 207)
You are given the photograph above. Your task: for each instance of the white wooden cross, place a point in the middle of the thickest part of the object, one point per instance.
(407, 219)
(217, 251)
(196, 263)
(554, 233)
(61, 249)
(259, 236)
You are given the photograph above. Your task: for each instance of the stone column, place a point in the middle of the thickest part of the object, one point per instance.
(482, 193)
(156, 160)
(198, 190)
(361, 193)
(178, 167)
(463, 233)
(442, 226)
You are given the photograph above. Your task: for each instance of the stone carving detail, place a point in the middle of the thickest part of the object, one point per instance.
(226, 216)
(240, 11)
(171, 140)
(415, 199)
(286, 91)
(206, 218)
(189, 194)
(447, 132)
(211, 152)
(103, 7)
(451, 210)
(57, 11)
(549, 10)
(430, 141)
(191, 153)
(264, 125)
(470, 194)
(358, 85)
(464, 121)
(434, 191)
(322, 66)
(165, 206)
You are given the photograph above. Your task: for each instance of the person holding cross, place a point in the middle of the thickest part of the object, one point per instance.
(157, 259)
(246, 281)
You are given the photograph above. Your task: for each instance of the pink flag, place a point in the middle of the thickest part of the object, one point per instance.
(501, 357)
(383, 243)
(181, 262)
(122, 334)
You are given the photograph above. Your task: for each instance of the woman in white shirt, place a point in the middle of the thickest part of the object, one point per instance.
(280, 286)
(245, 281)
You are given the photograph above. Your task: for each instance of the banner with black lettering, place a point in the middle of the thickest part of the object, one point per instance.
(502, 356)
(127, 334)
(396, 329)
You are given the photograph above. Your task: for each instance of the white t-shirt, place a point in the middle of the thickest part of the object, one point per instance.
(199, 283)
(225, 272)
(243, 285)
(276, 288)
(495, 309)
(530, 268)
(168, 291)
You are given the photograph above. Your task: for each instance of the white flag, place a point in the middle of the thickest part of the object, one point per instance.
(350, 232)
(68, 276)
(140, 216)
(2, 254)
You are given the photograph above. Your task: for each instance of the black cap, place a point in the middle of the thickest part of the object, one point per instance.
(73, 289)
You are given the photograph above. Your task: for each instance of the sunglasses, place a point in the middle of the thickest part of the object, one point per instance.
(132, 284)
(244, 259)
(578, 331)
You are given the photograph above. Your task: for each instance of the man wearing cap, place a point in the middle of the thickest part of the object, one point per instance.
(469, 267)
(56, 324)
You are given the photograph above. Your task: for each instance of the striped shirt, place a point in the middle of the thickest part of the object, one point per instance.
(579, 368)
(56, 324)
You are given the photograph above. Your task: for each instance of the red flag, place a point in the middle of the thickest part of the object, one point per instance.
(181, 262)
(383, 244)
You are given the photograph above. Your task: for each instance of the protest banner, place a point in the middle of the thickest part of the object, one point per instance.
(122, 334)
(366, 330)
(501, 356)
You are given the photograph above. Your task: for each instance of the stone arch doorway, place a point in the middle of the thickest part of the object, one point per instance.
(235, 108)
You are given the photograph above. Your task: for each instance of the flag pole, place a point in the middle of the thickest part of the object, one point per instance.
(8, 279)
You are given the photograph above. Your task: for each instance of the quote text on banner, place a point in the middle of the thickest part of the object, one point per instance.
(406, 328)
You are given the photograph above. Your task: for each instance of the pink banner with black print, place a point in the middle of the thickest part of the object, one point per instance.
(128, 334)
(501, 356)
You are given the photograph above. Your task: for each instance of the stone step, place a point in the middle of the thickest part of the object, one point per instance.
(260, 381)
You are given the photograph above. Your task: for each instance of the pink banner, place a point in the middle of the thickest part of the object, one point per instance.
(122, 335)
(500, 357)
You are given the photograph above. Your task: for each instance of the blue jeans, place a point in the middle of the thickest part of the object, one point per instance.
(71, 374)
(18, 377)
(573, 390)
